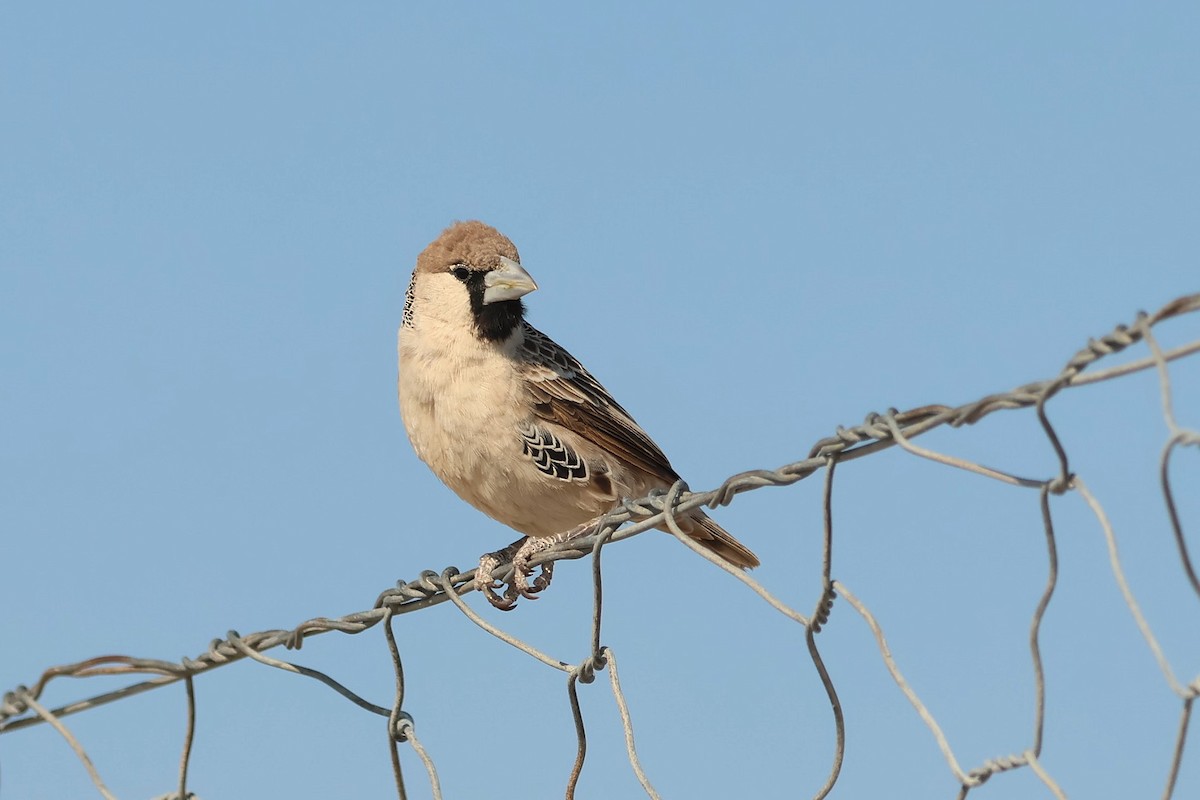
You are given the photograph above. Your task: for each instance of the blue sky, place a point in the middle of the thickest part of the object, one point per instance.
(753, 222)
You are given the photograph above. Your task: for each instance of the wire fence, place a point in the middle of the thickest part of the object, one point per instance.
(22, 707)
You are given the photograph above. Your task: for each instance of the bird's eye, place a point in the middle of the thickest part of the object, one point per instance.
(460, 272)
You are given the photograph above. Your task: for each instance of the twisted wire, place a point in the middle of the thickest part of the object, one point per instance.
(21, 707)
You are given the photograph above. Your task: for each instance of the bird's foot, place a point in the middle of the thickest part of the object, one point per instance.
(522, 569)
(522, 553)
(519, 553)
(485, 582)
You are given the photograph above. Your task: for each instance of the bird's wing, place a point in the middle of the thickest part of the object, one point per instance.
(566, 394)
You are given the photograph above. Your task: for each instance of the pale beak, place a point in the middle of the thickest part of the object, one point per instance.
(509, 282)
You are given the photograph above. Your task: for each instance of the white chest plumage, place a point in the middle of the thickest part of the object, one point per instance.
(458, 398)
(465, 410)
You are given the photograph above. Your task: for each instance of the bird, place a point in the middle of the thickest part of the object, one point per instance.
(511, 421)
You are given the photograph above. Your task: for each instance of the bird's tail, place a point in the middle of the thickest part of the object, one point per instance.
(701, 527)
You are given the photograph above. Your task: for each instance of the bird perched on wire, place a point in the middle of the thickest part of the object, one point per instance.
(509, 419)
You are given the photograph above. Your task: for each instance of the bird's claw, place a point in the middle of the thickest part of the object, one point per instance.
(520, 553)
(486, 584)
(522, 569)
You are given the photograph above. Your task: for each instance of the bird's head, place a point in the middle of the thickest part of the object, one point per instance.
(471, 270)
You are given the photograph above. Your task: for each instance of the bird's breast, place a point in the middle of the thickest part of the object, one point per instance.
(464, 410)
(456, 408)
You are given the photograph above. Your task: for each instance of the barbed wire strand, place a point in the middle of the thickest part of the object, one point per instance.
(394, 752)
(1172, 511)
(580, 734)
(889, 419)
(819, 617)
(401, 727)
(1035, 628)
(48, 716)
(240, 645)
(605, 532)
(507, 638)
(1160, 366)
(602, 657)
(674, 504)
(188, 737)
(877, 432)
(923, 712)
(604, 535)
(1031, 759)
(1177, 755)
(1188, 693)
(395, 735)
(1114, 562)
(627, 724)
(408, 730)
